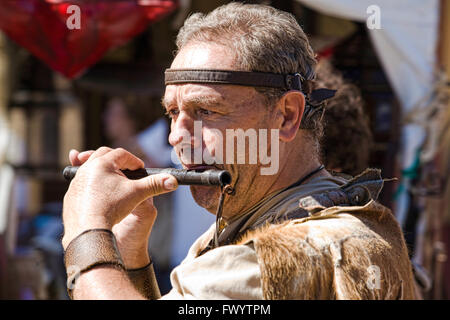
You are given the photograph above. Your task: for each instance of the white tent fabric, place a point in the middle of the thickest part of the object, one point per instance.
(406, 44)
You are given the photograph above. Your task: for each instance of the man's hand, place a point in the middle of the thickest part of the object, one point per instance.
(100, 196)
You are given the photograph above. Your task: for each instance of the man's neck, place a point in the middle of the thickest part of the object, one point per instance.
(289, 174)
(295, 165)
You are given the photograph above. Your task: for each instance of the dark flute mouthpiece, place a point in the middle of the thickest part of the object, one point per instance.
(184, 177)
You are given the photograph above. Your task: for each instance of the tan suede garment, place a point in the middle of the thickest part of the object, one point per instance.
(335, 252)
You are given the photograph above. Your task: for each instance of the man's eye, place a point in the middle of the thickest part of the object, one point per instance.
(172, 113)
(205, 112)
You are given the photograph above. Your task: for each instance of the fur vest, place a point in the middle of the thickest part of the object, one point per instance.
(334, 251)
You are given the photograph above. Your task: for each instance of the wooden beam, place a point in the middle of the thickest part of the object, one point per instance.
(444, 37)
(443, 54)
(4, 94)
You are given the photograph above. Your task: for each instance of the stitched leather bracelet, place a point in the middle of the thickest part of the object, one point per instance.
(90, 249)
(144, 280)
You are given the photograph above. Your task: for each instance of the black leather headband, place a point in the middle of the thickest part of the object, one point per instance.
(244, 78)
(247, 78)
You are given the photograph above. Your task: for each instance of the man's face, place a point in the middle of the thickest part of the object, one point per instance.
(213, 109)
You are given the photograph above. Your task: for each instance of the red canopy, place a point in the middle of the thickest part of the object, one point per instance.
(41, 27)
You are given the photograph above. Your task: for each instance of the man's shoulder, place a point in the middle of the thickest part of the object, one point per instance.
(340, 243)
(330, 224)
(335, 212)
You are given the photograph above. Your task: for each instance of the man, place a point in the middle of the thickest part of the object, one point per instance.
(296, 233)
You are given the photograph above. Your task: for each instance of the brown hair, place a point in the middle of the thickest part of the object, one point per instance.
(347, 138)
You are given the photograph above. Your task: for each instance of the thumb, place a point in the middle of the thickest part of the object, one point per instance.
(155, 184)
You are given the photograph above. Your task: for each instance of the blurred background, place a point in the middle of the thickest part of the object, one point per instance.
(81, 82)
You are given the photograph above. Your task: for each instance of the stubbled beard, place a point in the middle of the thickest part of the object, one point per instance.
(206, 197)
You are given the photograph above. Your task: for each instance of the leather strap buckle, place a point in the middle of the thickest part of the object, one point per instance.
(293, 81)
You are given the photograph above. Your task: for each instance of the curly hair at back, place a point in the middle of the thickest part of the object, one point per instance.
(347, 139)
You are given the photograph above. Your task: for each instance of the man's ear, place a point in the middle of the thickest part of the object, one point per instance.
(291, 107)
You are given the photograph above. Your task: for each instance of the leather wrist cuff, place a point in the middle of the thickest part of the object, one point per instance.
(92, 248)
(144, 280)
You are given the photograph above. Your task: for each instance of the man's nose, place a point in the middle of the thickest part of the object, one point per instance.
(182, 130)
